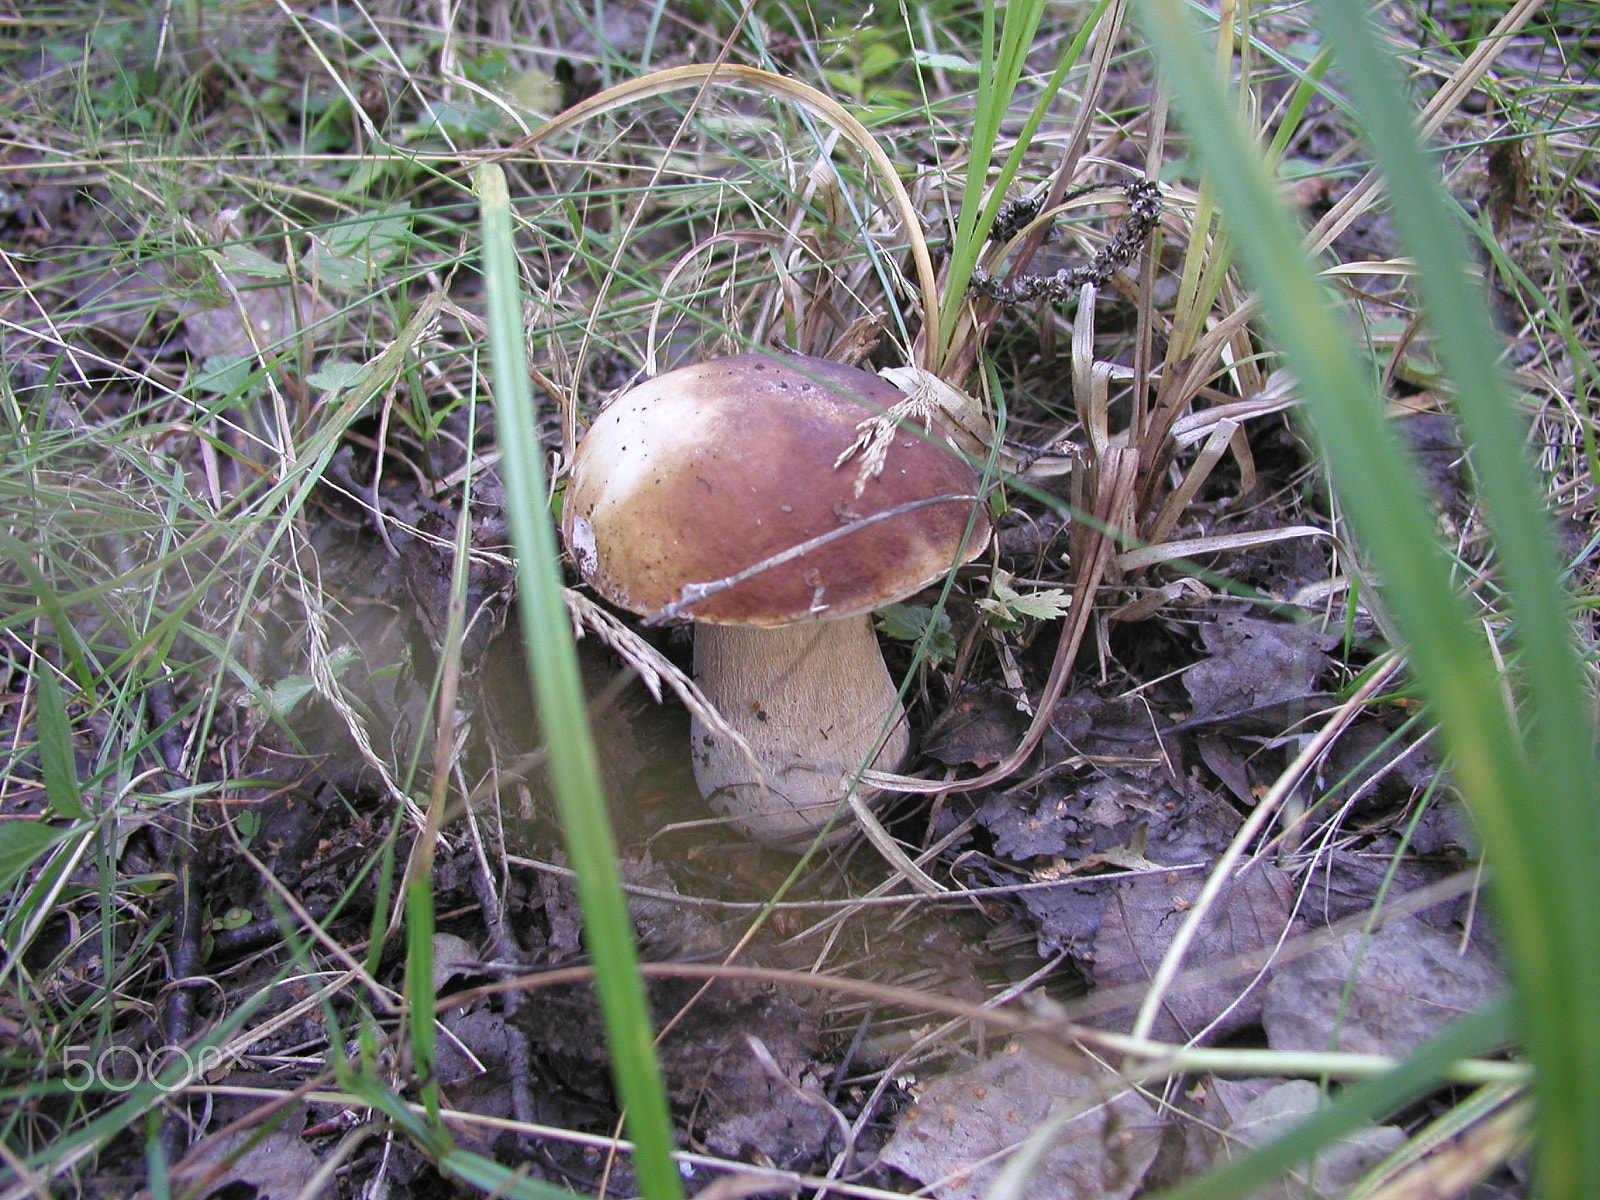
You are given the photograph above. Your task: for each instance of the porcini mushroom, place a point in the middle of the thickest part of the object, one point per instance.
(720, 492)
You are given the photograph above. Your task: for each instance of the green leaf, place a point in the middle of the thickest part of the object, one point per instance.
(374, 239)
(335, 375)
(224, 374)
(910, 623)
(283, 696)
(57, 761)
(234, 918)
(944, 62)
(1008, 607)
(879, 59)
(248, 261)
(341, 272)
(1047, 604)
(288, 692)
(465, 119)
(23, 843)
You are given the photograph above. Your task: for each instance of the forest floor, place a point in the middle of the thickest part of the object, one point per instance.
(226, 597)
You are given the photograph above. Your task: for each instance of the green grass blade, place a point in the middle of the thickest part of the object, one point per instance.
(420, 988)
(996, 86)
(1551, 835)
(1460, 328)
(488, 1176)
(1535, 803)
(553, 664)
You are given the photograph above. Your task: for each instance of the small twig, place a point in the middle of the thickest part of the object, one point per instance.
(174, 845)
(172, 836)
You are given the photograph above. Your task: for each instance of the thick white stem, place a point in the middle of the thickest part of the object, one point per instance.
(813, 701)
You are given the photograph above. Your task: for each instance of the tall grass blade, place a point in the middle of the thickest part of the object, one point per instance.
(997, 83)
(488, 1176)
(1546, 840)
(1534, 798)
(553, 664)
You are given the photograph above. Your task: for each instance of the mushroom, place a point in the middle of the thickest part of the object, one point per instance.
(723, 493)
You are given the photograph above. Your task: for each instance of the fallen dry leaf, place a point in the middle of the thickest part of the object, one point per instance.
(966, 1123)
(1241, 1116)
(1251, 912)
(278, 1167)
(261, 315)
(1255, 664)
(981, 726)
(1410, 980)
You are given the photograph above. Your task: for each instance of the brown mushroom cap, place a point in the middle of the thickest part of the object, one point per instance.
(704, 472)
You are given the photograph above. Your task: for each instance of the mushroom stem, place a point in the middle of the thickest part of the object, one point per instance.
(812, 700)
